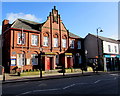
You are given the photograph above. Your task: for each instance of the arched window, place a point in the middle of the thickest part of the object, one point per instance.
(45, 39)
(21, 59)
(55, 40)
(64, 41)
(33, 59)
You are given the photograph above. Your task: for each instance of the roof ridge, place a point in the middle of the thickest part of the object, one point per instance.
(27, 20)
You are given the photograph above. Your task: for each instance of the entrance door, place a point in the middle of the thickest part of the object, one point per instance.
(108, 63)
(48, 63)
(68, 62)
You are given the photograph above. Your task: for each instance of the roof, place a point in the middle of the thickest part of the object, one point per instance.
(33, 26)
(26, 24)
(73, 35)
(106, 39)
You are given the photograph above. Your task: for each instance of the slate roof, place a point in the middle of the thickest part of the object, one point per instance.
(106, 39)
(26, 25)
(73, 35)
(33, 26)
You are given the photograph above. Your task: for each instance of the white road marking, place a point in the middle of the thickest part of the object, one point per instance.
(66, 87)
(97, 81)
(42, 84)
(69, 86)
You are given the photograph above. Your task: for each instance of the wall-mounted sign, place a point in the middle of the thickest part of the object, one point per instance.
(13, 52)
(13, 56)
(13, 62)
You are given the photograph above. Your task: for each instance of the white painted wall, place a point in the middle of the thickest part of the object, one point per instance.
(112, 45)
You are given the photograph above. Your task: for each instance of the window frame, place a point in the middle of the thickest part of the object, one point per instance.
(45, 41)
(19, 40)
(55, 40)
(34, 38)
(64, 43)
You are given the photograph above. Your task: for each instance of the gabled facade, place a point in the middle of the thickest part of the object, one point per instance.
(108, 52)
(24, 39)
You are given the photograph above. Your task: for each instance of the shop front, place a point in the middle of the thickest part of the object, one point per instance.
(111, 62)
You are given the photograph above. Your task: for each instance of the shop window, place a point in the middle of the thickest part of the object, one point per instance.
(34, 60)
(72, 44)
(34, 40)
(80, 60)
(21, 38)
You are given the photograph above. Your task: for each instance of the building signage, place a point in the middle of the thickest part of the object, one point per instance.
(13, 56)
(68, 56)
(68, 53)
(50, 55)
(13, 52)
(110, 56)
(13, 62)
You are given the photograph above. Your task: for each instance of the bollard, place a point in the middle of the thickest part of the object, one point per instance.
(3, 76)
(18, 73)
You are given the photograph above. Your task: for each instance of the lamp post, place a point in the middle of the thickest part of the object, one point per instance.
(98, 30)
(40, 57)
(86, 52)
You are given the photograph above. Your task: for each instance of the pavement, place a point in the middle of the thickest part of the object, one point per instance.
(14, 78)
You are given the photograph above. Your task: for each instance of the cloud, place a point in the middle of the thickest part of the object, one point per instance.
(13, 16)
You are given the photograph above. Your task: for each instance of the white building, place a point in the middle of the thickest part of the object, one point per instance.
(109, 52)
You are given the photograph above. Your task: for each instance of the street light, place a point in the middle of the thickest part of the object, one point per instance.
(40, 57)
(98, 30)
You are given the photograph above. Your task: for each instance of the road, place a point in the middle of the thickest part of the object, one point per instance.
(96, 84)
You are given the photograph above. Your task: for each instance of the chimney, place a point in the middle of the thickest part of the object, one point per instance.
(5, 22)
(5, 25)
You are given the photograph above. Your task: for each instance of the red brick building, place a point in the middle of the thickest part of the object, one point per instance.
(24, 39)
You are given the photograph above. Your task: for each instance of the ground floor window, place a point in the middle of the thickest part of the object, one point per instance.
(57, 59)
(79, 59)
(20, 59)
(34, 60)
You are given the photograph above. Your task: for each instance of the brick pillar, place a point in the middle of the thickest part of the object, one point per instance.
(66, 62)
(54, 62)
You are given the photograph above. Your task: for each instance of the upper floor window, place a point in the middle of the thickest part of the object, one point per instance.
(55, 42)
(34, 40)
(64, 41)
(109, 48)
(45, 41)
(72, 44)
(21, 38)
(115, 49)
(79, 44)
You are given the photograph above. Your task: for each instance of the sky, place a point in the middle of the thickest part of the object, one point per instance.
(79, 18)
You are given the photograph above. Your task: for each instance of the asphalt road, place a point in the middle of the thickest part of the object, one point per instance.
(107, 84)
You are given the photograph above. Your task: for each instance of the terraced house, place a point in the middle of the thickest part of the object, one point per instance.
(24, 39)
